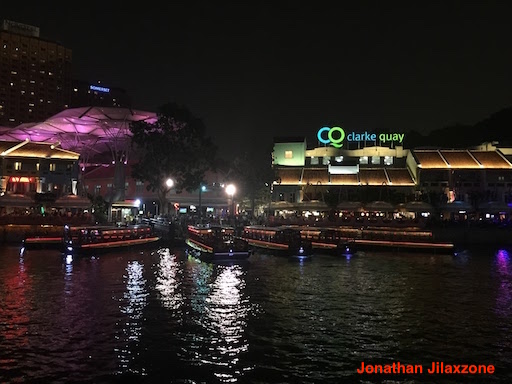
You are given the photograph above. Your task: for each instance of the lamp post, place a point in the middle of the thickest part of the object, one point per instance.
(230, 190)
(202, 188)
(169, 183)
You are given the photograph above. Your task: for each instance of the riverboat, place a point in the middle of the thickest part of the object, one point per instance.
(97, 239)
(43, 242)
(330, 240)
(215, 242)
(282, 240)
(376, 238)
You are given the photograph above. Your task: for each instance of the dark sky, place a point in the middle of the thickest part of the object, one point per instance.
(252, 73)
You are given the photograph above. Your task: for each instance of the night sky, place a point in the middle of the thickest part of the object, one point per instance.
(252, 73)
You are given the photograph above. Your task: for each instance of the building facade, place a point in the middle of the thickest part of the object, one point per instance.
(35, 75)
(97, 95)
(35, 174)
(455, 182)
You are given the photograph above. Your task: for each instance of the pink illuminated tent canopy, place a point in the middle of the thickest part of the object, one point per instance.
(87, 130)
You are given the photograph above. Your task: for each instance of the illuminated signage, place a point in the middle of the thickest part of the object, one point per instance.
(99, 89)
(335, 136)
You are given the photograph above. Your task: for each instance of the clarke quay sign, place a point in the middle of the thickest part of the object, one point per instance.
(336, 135)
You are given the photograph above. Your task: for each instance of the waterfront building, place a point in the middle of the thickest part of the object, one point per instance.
(101, 136)
(35, 174)
(454, 182)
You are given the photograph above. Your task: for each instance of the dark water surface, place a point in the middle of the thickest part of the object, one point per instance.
(159, 317)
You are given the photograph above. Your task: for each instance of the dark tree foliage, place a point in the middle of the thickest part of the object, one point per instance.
(253, 178)
(493, 128)
(175, 147)
(99, 208)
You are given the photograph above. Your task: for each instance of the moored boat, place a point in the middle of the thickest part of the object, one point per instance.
(97, 239)
(282, 240)
(212, 242)
(391, 239)
(329, 240)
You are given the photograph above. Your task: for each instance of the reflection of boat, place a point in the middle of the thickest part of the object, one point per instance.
(215, 243)
(375, 238)
(90, 239)
(282, 240)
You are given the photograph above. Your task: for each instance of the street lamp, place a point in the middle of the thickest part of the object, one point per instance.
(202, 188)
(231, 190)
(169, 183)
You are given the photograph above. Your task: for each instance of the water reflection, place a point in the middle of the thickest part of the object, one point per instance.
(134, 301)
(503, 299)
(15, 306)
(168, 281)
(221, 311)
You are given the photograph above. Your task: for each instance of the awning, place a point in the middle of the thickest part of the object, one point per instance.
(494, 207)
(126, 204)
(418, 206)
(457, 206)
(380, 206)
(16, 200)
(352, 206)
(72, 201)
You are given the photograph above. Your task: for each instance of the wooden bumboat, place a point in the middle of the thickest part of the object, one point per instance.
(282, 240)
(96, 239)
(374, 238)
(215, 243)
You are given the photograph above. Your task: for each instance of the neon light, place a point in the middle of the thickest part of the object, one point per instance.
(354, 136)
(99, 89)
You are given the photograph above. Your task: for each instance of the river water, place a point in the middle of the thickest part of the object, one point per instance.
(160, 317)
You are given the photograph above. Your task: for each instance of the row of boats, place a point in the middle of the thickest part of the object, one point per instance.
(214, 242)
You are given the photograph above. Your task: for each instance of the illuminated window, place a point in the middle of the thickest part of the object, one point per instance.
(52, 167)
(97, 189)
(17, 166)
(363, 160)
(326, 160)
(388, 160)
(288, 154)
(37, 167)
(314, 160)
(375, 159)
(338, 159)
(139, 185)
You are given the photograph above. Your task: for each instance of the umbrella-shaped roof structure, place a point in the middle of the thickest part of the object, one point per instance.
(379, 206)
(86, 130)
(418, 206)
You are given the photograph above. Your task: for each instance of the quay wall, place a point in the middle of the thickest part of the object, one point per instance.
(471, 236)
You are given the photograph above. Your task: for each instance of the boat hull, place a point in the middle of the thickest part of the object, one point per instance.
(208, 254)
(103, 247)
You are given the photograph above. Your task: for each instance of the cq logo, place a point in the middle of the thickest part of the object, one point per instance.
(335, 136)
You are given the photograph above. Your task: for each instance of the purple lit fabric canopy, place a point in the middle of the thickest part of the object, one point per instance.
(86, 130)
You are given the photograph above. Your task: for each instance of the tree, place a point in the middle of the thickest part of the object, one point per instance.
(99, 208)
(175, 147)
(253, 178)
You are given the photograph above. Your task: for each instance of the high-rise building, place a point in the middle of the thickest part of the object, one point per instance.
(84, 93)
(35, 75)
